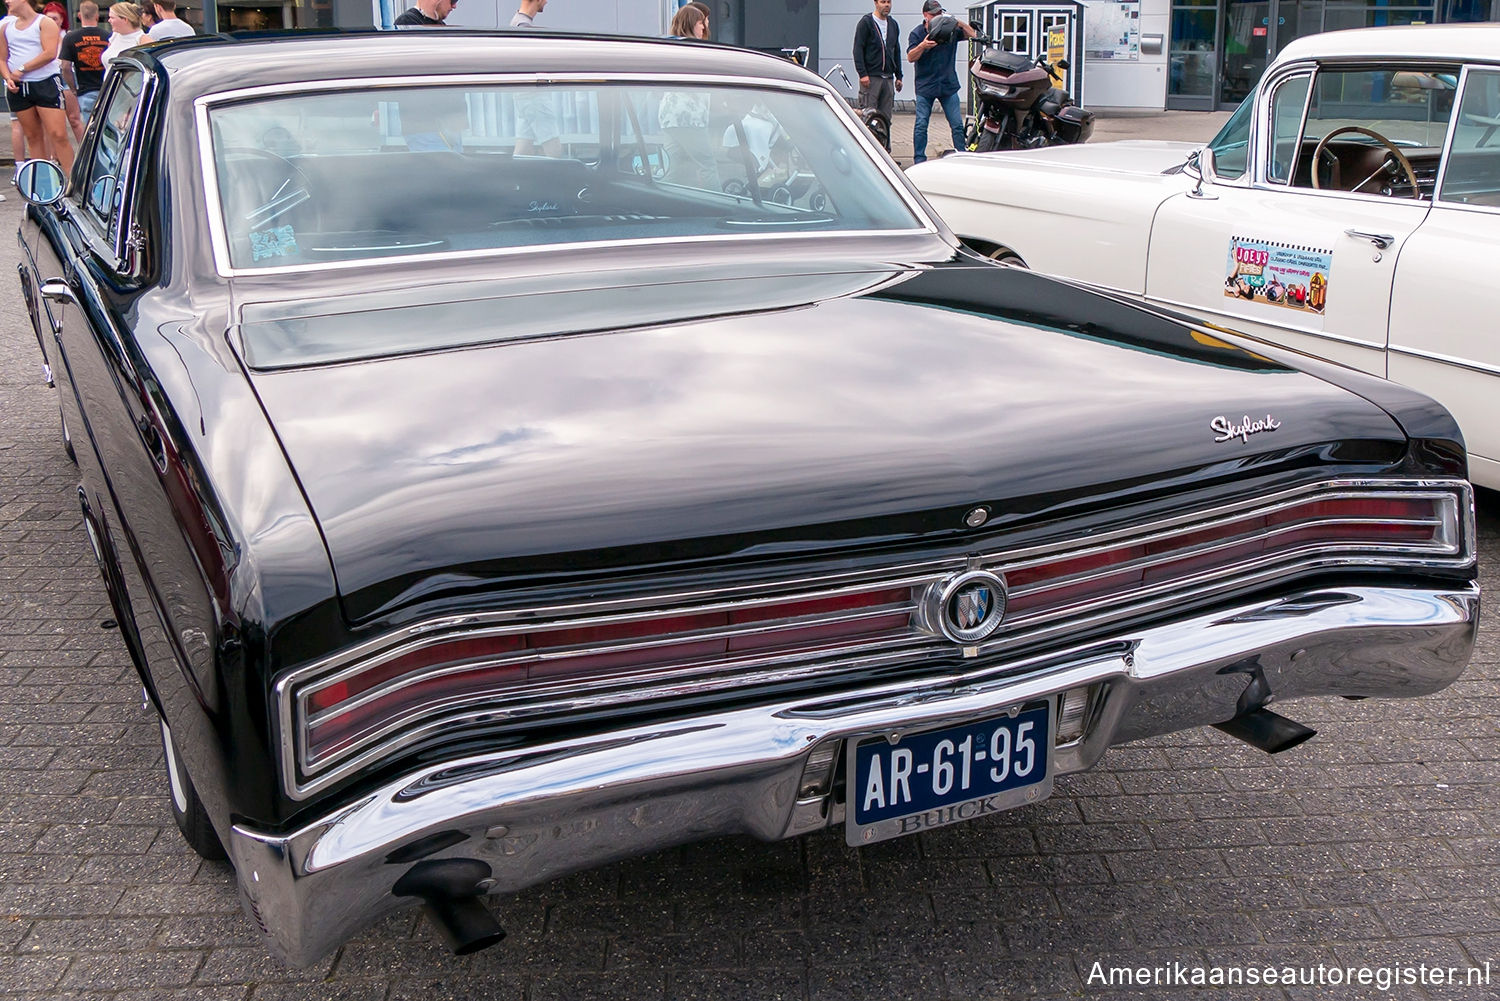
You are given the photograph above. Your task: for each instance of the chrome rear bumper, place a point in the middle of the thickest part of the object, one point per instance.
(537, 814)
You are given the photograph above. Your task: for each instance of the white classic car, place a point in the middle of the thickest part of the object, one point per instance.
(1349, 209)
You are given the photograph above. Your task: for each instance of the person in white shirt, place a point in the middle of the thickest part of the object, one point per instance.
(168, 24)
(526, 16)
(33, 79)
(125, 30)
(536, 115)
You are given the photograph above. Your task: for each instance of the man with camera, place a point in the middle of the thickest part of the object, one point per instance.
(933, 49)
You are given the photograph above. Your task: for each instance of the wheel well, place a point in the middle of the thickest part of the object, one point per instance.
(114, 587)
(991, 250)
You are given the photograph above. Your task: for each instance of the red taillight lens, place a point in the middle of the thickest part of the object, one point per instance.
(525, 665)
(352, 705)
(1426, 522)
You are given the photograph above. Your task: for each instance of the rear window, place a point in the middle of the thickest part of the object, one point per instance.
(356, 175)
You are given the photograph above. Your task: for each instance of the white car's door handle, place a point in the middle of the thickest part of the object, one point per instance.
(1381, 240)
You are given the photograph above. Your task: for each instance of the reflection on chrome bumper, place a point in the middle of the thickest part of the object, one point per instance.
(537, 814)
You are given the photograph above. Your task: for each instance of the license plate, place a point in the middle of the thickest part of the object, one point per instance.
(912, 782)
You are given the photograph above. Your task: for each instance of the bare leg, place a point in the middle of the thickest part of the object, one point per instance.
(55, 124)
(31, 124)
(17, 139)
(75, 117)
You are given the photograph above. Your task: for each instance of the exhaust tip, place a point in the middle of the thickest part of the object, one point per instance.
(451, 892)
(466, 925)
(1266, 730)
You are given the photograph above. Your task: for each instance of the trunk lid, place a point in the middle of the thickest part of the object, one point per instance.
(874, 407)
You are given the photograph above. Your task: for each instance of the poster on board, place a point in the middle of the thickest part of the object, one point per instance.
(1287, 275)
(1112, 30)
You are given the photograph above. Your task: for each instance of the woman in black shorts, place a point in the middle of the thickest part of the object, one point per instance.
(33, 81)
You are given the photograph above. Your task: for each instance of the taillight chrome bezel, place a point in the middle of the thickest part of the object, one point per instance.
(304, 772)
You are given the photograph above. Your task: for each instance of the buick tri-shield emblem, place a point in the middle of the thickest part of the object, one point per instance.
(967, 607)
(971, 605)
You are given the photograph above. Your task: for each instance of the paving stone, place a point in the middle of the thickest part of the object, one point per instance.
(840, 982)
(31, 973)
(131, 970)
(1428, 917)
(597, 987)
(691, 951)
(88, 935)
(1319, 924)
(506, 987)
(1008, 978)
(253, 965)
(709, 985)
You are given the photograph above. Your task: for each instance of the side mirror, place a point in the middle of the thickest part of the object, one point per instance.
(1200, 167)
(1062, 64)
(40, 182)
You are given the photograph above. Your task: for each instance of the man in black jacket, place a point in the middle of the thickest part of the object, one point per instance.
(877, 59)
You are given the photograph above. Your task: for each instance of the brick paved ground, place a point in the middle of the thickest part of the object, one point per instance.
(1374, 844)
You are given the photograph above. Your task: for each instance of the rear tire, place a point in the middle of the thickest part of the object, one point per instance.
(1009, 258)
(987, 141)
(187, 809)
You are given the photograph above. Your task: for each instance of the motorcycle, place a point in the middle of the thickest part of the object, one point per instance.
(1018, 106)
(878, 124)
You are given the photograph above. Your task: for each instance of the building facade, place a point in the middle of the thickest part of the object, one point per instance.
(1187, 54)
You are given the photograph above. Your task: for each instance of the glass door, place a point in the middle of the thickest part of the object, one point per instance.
(1247, 43)
(1297, 18)
(1192, 54)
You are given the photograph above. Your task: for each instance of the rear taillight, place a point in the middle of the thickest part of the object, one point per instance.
(352, 704)
(1416, 523)
(346, 713)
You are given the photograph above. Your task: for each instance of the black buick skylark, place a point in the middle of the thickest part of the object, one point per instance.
(510, 454)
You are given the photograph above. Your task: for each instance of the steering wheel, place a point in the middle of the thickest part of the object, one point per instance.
(1392, 148)
(263, 199)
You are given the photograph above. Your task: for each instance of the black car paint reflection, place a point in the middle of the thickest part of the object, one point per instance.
(281, 467)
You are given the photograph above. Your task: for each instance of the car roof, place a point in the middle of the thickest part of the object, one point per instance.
(214, 63)
(1447, 42)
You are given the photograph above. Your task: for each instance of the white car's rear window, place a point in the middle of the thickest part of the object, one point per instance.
(361, 174)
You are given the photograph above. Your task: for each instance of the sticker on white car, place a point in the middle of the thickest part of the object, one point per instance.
(1278, 274)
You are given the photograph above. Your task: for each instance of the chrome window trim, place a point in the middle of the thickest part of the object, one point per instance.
(219, 238)
(784, 665)
(111, 235)
(130, 200)
(1442, 176)
(1265, 118)
(1342, 64)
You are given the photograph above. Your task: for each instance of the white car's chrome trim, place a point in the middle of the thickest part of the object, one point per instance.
(1448, 360)
(1198, 309)
(1442, 176)
(219, 238)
